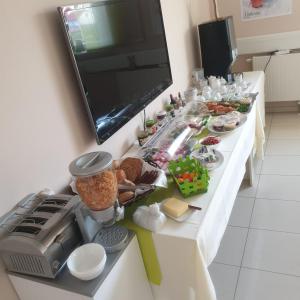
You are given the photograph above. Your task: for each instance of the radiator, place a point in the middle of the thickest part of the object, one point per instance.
(282, 76)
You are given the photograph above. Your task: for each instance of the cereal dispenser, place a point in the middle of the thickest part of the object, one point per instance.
(97, 188)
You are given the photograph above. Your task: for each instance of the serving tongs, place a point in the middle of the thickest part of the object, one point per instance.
(140, 190)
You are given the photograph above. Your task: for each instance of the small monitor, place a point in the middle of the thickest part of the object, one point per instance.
(218, 47)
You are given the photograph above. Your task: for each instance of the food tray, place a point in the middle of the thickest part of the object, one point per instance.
(210, 165)
(174, 143)
(210, 125)
(234, 104)
(197, 108)
(190, 165)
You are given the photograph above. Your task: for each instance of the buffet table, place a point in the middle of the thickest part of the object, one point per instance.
(185, 250)
(177, 257)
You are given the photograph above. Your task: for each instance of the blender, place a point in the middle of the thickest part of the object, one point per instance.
(99, 209)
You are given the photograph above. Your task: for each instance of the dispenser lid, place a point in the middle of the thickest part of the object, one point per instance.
(90, 163)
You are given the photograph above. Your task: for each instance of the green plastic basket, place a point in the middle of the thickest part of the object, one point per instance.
(200, 182)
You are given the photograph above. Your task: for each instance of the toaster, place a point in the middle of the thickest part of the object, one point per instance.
(39, 233)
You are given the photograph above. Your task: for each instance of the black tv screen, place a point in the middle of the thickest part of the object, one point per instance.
(119, 51)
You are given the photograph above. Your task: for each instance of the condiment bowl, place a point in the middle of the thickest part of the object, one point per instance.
(87, 262)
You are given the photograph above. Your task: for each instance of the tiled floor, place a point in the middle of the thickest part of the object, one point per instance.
(259, 257)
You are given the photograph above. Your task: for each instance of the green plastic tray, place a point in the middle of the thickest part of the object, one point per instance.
(187, 188)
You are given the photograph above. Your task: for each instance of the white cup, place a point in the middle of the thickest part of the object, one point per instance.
(211, 79)
(223, 89)
(191, 94)
(206, 95)
(223, 81)
(218, 97)
(202, 83)
(238, 90)
(238, 77)
(201, 98)
(233, 86)
(206, 89)
(197, 74)
(216, 84)
(244, 84)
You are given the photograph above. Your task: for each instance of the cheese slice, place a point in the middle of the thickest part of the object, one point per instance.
(175, 207)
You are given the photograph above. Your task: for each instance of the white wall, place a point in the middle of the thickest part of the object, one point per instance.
(264, 29)
(43, 123)
(260, 26)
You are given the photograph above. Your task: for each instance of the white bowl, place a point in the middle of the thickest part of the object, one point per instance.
(87, 262)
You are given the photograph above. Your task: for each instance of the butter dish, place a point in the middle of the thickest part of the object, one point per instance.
(189, 212)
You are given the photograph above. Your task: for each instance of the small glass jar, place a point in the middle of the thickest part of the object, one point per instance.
(95, 181)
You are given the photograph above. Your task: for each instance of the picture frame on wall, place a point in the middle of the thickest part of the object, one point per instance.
(260, 9)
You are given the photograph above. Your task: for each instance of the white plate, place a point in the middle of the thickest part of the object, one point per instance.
(243, 119)
(180, 219)
(211, 166)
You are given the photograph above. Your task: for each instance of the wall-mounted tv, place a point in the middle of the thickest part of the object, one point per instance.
(120, 55)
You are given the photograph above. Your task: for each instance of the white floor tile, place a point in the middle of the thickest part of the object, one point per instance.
(289, 131)
(283, 147)
(224, 279)
(285, 119)
(260, 285)
(268, 124)
(281, 165)
(276, 215)
(246, 190)
(273, 251)
(279, 187)
(285, 126)
(257, 166)
(232, 246)
(268, 119)
(267, 132)
(241, 212)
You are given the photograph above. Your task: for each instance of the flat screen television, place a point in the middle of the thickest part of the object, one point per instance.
(120, 56)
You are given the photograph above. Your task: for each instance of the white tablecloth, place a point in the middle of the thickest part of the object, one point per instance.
(185, 250)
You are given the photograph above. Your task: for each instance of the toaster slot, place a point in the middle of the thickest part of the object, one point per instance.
(57, 202)
(47, 209)
(27, 229)
(34, 220)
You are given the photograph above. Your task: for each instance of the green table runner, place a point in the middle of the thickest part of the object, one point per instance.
(144, 236)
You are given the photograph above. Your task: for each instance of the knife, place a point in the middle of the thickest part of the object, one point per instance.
(195, 207)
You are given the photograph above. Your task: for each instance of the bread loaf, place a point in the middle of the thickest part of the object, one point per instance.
(125, 196)
(132, 168)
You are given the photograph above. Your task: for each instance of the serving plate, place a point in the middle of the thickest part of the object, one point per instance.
(243, 119)
(210, 166)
